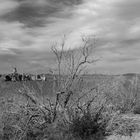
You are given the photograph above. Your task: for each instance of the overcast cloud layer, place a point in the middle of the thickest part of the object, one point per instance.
(27, 28)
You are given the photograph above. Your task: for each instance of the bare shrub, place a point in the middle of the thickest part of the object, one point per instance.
(123, 94)
(89, 125)
(124, 126)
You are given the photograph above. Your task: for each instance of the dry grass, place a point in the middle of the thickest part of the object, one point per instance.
(94, 117)
(135, 136)
(37, 121)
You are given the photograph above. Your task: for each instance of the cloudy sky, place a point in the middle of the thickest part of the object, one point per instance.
(28, 27)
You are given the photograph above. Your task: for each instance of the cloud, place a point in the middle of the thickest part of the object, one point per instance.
(128, 10)
(7, 6)
(28, 27)
(34, 12)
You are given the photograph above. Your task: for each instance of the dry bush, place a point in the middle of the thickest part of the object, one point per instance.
(89, 125)
(35, 120)
(123, 125)
(136, 109)
(123, 94)
(87, 118)
(135, 136)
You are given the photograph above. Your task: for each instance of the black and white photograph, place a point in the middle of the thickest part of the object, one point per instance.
(69, 69)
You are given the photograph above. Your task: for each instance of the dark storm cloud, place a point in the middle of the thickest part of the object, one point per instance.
(30, 15)
(35, 12)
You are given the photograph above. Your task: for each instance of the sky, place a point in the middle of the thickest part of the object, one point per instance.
(28, 28)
